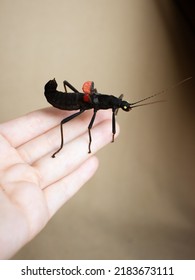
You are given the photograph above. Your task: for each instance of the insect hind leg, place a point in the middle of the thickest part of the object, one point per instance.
(61, 129)
(67, 84)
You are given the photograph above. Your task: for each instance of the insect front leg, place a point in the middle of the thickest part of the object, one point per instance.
(113, 123)
(89, 129)
(61, 129)
(67, 84)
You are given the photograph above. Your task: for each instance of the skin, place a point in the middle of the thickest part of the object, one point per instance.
(33, 186)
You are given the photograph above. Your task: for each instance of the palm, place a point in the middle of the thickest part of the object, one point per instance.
(33, 185)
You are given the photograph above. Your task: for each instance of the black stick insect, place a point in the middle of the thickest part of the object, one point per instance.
(90, 98)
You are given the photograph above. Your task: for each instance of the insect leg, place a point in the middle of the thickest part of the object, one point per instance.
(113, 123)
(61, 129)
(67, 84)
(89, 130)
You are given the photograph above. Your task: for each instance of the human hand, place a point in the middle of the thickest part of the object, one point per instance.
(33, 186)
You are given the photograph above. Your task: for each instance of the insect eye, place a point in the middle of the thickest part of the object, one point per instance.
(126, 106)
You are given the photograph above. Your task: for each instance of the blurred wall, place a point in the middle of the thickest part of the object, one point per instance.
(141, 204)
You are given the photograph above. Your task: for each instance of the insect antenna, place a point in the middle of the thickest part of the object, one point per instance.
(153, 102)
(158, 93)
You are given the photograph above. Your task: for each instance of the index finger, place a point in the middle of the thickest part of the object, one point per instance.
(31, 125)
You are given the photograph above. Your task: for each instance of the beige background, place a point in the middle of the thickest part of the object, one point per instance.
(140, 204)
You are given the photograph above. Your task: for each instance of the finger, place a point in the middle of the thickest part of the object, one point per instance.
(8, 155)
(23, 129)
(58, 193)
(72, 155)
(50, 141)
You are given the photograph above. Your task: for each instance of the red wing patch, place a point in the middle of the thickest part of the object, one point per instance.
(86, 98)
(87, 87)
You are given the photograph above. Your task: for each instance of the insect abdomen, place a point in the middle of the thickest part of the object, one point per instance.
(64, 101)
